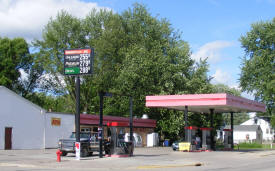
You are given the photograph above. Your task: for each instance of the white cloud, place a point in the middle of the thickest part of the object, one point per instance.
(222, 77)
(26, 18)
(211, 51)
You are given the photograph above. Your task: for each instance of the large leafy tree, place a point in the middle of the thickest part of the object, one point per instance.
(136, 55)
(14, 55)
(64, 32)
(258, 67)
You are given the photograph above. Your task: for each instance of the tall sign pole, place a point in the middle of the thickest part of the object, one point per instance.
(78, 62)
(77, 109)
(100, 123)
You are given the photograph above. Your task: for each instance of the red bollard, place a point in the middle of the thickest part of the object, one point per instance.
(58, 153)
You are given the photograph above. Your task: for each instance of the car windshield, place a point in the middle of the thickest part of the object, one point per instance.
(82, 135)
(178, 141)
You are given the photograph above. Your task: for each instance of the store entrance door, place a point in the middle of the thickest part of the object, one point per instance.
(8, 138)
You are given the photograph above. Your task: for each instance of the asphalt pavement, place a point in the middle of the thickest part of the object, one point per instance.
(156, 158)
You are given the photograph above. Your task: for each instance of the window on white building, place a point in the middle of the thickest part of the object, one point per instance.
(267, 130)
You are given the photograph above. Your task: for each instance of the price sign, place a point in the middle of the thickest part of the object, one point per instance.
(78, 61)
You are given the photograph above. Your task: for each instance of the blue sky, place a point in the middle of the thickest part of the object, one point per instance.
(211, 27)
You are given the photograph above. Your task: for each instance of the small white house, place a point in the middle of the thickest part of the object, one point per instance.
(264, 123)
(247, 133)
(24, 125)
(243, 133)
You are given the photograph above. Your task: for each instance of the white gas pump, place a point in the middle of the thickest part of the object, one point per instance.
(206, 138)
(227, 138)
(118, 147)
(190, 136)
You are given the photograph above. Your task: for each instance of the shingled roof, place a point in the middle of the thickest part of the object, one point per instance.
(244, 127)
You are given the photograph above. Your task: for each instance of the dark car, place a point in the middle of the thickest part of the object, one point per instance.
(89, 144)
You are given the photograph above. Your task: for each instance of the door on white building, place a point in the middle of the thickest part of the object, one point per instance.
(8, 138)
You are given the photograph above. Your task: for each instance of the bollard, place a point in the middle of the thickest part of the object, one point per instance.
(58, 154)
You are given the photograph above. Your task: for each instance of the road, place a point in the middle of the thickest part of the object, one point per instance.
(158, 158)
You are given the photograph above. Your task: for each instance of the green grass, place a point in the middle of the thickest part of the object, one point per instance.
(219, 146)
(254, 146)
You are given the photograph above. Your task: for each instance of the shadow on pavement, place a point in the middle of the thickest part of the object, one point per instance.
(149, 155)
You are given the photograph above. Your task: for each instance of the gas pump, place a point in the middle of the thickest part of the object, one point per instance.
(206, 138)
(190, 136)
(118, 147)
(227, 138)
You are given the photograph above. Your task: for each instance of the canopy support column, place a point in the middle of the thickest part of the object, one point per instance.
(186, 122)
(131, 122)
(232, 127)
(212, 126)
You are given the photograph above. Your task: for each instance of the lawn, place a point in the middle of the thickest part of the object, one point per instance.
(243, 146)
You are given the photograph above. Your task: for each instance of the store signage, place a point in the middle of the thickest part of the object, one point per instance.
(78, 61)
(56, 121)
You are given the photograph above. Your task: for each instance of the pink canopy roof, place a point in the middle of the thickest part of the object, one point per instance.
(201, 103)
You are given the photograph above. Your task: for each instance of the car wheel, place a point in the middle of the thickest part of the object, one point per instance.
(84, 152)
(90, 153)
(64, 153)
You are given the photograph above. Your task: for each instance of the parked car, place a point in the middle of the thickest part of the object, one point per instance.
(89, 144)
(175, 145)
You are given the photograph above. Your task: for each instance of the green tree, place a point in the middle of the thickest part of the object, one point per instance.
(50, 102)
(14, 55)
(18, 71)
(258, 66)
(64, 32)
(222, 88)
(136, 55)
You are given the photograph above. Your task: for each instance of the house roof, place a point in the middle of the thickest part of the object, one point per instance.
(244, 127)
(87, 119)
(266, 118)
(202, 103)
(20, 97)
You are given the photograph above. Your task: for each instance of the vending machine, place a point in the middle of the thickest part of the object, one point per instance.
(118, 145)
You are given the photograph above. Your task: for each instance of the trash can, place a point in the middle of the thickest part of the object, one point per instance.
(166, 143)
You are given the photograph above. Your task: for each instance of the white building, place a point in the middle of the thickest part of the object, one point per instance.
(246, 133)
(263, 122)
(24, 125)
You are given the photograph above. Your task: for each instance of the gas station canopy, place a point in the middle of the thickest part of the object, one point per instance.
(201, 103)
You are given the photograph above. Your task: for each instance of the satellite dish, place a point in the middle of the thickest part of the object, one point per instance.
(144, 116)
